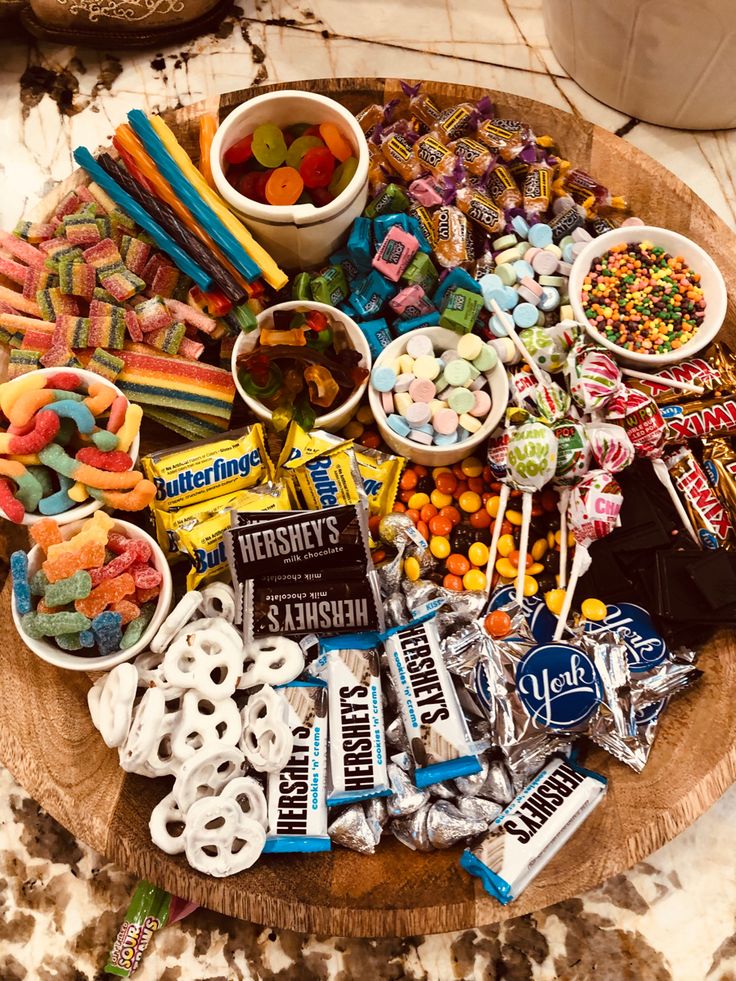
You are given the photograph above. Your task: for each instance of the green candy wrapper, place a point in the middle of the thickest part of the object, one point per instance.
(149, 910)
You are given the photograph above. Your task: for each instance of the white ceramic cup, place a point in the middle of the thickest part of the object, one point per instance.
(438, 456)
(88, 507)
(330, 420)
(296, 235)
(714, 289)
(49, 652)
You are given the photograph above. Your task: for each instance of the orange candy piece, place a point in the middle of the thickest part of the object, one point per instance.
(127, 610)
(89, 555)
(108, 592)
(45, 533)
(498, 624)
(457, 564)
(284, 186)
(335, 141)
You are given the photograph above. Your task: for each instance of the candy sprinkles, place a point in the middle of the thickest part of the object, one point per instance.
(453, 551)
(644, 299)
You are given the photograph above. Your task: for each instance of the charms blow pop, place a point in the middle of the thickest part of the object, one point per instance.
(532, 458)
(593, 513)
(573, 462)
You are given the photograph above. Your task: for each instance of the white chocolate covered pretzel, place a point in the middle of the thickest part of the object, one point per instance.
(149, 666)
(267, 739)
(110, 702)
(271, 661)
(249, 796)
(219, 839)
(143, 732)
(206, 660)
(206, 772)
(182, 613)
(218, 600)
(203, 722)
(167, 826)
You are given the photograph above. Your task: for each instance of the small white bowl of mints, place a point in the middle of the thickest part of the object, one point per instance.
(436, 395)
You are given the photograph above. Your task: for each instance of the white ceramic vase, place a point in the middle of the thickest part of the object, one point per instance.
(673, 63)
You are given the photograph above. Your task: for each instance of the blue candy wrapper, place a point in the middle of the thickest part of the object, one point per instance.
(297, 807)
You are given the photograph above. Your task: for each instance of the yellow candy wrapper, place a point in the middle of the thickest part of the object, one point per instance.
(202, 540)
(301, 446)
(168, 523)
(195, 472)
(381, 473)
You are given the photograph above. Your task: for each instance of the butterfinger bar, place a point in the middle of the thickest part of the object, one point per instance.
(533, 828)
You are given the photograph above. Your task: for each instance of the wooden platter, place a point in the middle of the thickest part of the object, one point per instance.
(49, 744)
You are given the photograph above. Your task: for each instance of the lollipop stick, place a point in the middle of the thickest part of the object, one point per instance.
(578, 564)
(562, 506)
(503, 500)
(508, 324)
(526, 517)
(684, 386)
(663, 475)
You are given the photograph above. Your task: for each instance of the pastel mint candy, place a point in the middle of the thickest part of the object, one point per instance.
(64, 591)
(21, 586)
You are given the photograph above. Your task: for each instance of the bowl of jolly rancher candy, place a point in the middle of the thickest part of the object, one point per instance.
(304, 361)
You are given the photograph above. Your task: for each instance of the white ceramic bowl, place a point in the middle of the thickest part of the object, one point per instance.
(439, 456)
(698, 259)
(296, 235)
(91, 505)
(52, 654)
(337, 417)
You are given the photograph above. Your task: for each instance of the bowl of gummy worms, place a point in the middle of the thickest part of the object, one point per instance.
(71, 444)
(97, 592)
(648, 294)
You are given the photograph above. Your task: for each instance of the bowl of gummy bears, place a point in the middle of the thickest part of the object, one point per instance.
(294, 166)
(91, 594)
(69, 441)
(304, 361)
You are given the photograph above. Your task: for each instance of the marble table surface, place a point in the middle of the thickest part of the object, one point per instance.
(671, 917)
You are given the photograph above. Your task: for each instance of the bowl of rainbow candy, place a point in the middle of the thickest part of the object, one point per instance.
(90, 594)
(68, 447)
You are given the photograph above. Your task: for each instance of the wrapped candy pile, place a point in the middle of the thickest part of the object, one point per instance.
(368, 645)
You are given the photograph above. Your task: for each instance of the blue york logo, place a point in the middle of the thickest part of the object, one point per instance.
(482, 685)
(645, 649)
(541, 622)
(670, 411)
(326, 487)
(558, 685)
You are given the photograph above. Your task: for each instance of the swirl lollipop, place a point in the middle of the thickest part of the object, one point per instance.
(549, 346)
(573, 462)
(610, 445)
(595, 378)
(532, 458)
(646, 428)
(595, 505)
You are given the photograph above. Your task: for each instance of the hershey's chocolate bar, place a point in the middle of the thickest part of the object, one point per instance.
(339, 601)
(298, 540)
